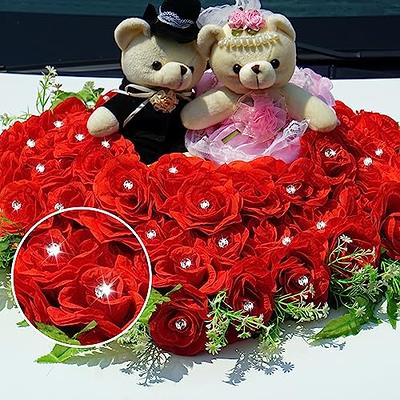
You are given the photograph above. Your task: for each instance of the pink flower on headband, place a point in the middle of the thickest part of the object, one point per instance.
(254, 20)
(250, 19)
(237, 20)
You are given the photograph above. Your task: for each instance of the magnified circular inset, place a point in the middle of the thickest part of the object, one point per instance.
(81, 276)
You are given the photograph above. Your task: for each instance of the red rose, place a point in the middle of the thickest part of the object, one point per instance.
(205, 203)
(9, 168)
(91, 160)
(169, 173)
(303, 183)
(80, 302)
(21, 205)
(300, 265)
(228, 244)
(332, 156)
(258, 191)
(178, 326)
(188, 265)
(122, 187)
(387, 207)
(73, 194)
(159, 236)
(251, 288)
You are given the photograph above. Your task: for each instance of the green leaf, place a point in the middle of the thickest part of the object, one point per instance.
(350, 323)
(56, 334)
(392, 308)
(22, 324)
(155, 299)
(58, 355)
(89, 327)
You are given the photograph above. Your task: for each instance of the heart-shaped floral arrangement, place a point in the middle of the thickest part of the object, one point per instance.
(235, 249)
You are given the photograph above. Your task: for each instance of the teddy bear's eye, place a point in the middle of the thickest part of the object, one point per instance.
(275, 63)
(157, 65)
(237, 68)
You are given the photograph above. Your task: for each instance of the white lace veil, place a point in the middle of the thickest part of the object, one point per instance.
(219, 15)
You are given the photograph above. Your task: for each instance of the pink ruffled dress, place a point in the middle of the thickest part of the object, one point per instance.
(259, 127)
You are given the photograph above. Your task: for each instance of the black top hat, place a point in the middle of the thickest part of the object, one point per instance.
(177, 19)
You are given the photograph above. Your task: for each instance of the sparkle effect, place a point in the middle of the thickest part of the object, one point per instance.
(330, 153)
(53, 249)
(303, 281)
(248, 306)
(128, 185)
(58, 124)
(16, 205)
(223, 242)
(103, 290)
(180, 324)
(286, 240)
(321, 225)
(59, 206)
(106, 144)
(40, 168)
(291, 189)
(31, 143)
(368, 161)
(151, 234)
(186, 263)
(379, 152)
(204, 204)
(173, 170)
(80, 137)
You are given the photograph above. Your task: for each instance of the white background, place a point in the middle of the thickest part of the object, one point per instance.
(362, 367)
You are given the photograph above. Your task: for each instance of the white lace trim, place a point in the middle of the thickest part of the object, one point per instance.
(172, 19)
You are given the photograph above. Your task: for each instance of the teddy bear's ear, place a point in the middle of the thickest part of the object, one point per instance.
(208, 36)
(127, 30)
(278, 22)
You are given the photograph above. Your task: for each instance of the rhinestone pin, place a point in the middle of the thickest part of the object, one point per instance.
(379, 152)
(291, 189)
(31, 143)
(16, 205)
(128, 185)
(151, 234)
(181, 324)
(106, 144)
(59, 206)
(248, 306)
(80, 137)
(204, 204)
(103, 290)
(223, 242)
(58, 124)
(330, 153)
(368, 161)
(53, 249)
(40, 168)
(173, 170)
(286, 240)
(321, 225)
(303, 281)
(186, 263)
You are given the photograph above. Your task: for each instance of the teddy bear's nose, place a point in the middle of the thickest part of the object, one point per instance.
(183, 70)
(256, 68)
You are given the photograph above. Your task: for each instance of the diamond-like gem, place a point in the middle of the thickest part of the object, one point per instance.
(205, 205)
(16, 205)
(40, 168)
(173, 170)
(80, 137)
(31, 143)
(223, 242)
(180, 324)
(128, 185)
(303, 281)
(321, 225)
(58, 124)
(286, 240)
(368, 161)
(291, 189)
(186, 263)
(151, 234)
(330, 153)
(248, 306)
(53, 249)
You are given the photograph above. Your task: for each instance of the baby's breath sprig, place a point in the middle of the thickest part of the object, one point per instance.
(8, 247)
(391, 281)
(48, 88)
(221, 317)
(7, 120)
(299, 308)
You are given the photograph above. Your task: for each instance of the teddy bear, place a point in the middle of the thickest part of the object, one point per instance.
(161, 64)
(245, 115)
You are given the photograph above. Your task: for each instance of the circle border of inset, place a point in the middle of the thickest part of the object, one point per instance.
(109, 214)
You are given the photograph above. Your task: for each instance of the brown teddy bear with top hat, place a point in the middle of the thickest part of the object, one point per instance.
(162, 64)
